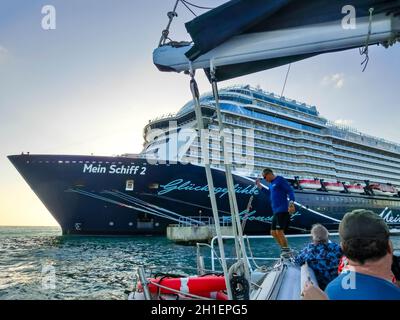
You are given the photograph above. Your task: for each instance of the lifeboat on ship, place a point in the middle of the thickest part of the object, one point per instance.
(355, 188)
(313, 184)
(208, 286)
(334, 186)
(383, 189)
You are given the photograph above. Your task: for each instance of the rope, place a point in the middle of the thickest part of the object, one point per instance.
(142, 203)
(215, 253)
(171, 15)
(365, 49)
(286, 78)
(187, 7)
(248, 208)
(196, 6)
(145, 210)
(251, 254)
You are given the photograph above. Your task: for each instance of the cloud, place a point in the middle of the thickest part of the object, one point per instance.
(344, 122)
(336, 80)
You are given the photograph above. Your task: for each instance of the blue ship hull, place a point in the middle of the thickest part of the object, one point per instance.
(91, 195)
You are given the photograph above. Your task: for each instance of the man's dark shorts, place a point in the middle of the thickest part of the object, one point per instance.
(280, 221)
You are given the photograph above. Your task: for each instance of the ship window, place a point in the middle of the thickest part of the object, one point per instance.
(129, 186)
(60, 161)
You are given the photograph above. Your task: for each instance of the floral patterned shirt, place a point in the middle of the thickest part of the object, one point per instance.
(323, 258)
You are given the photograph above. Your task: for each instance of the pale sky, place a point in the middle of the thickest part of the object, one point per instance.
(90, 86)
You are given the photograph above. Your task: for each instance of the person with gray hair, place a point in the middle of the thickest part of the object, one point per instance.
(321, 255)
(319, 234)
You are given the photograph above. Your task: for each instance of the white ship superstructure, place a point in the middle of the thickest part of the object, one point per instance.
(290, 137)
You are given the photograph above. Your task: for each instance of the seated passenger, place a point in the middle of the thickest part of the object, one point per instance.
(344, 267)
(396, 270)
(365, 242)
(321, 255)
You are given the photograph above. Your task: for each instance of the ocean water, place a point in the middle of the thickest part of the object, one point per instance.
(40, 263)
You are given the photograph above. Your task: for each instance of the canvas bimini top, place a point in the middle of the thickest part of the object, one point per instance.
(246, 36)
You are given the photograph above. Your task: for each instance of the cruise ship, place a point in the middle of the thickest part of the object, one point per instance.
(332, 168)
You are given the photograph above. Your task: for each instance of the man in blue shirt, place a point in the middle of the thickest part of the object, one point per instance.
(322, 256)
(280, 191)
(365, 242)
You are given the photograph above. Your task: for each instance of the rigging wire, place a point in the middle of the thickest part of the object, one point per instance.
(187, 7)
(165, 33)
(286, 78)
(173, 14)
(197, 6)
(365, 49)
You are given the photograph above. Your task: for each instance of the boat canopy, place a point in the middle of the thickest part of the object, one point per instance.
(246, 36)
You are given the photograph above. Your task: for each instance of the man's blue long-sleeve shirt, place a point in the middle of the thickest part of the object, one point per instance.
(280, 190)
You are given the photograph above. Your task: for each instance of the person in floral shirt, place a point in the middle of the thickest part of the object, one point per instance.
(322, 256)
